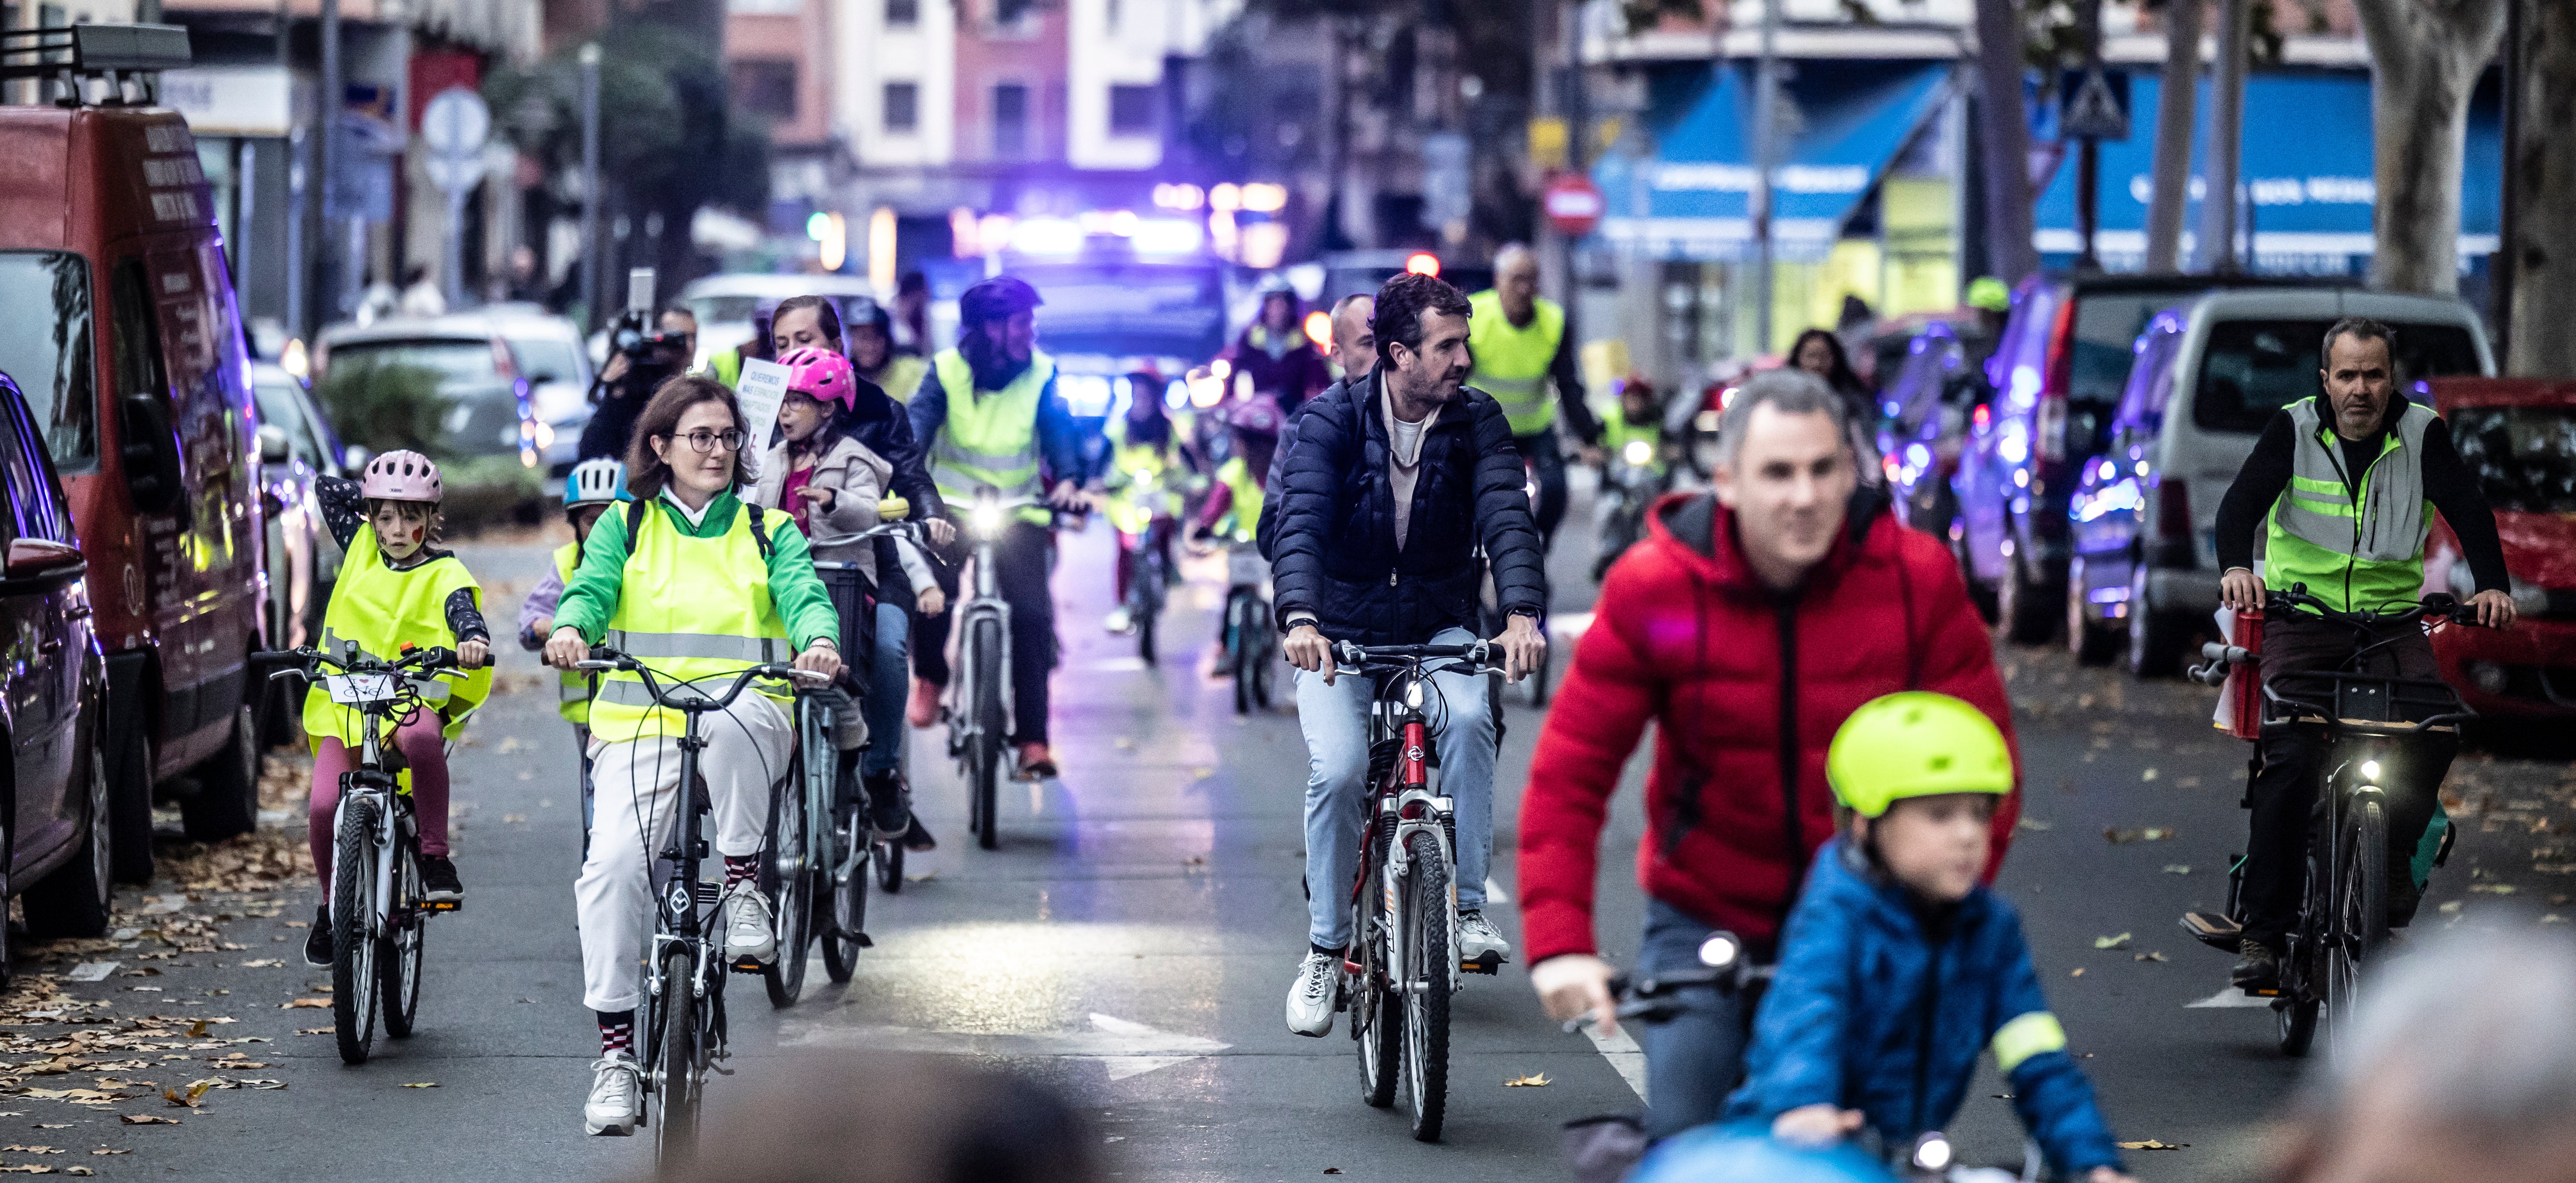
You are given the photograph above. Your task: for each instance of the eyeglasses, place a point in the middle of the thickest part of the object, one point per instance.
(703, 441)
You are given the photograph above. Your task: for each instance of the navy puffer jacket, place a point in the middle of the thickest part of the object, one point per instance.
(1334, 553)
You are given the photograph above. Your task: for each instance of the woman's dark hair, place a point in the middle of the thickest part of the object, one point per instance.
(646, 475)
(1400, 305)
(1845, 381)
(827, 319)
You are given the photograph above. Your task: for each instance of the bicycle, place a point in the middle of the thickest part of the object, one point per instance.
(684, 1020)
(845, 853)
(2355, 720)
(378, 918)
(978, 709)
(1630, 482)
(1149, 521)
(1251, 647)
(1404, 910)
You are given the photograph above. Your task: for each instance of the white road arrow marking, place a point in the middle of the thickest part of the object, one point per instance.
(2228, 999)
(1126, 1047)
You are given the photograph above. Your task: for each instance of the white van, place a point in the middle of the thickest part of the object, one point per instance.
(2206, 379)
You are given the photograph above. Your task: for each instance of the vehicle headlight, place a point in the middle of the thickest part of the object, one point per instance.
(987, 519)
(1638, 452)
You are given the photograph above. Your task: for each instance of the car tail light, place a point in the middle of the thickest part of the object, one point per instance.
(2173, 511)
(2060, 377)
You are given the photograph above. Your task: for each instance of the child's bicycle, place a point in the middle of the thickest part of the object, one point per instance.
(378, 918)
(1251, 642)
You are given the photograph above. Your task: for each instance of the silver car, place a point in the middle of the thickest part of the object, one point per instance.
(2206, 378)
(516, 379)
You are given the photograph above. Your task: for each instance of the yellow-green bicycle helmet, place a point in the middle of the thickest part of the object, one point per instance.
(1990, 294)
(1916, 744)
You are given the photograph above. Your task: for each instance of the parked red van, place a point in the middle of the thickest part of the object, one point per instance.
(118, 322)
(2519, 436)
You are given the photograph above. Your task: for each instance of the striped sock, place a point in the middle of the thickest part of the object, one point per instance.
(739, 871)
(616, 1033)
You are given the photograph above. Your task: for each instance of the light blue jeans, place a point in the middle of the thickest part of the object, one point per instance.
(1336, 722)
(1695, 1059)
(889, 682)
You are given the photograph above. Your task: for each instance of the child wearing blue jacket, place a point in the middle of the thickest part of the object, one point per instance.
(1899, 966)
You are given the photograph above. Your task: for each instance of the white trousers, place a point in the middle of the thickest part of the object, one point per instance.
(636, 802)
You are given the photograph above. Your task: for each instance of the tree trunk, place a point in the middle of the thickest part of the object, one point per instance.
(2425, 57)
(2178, 93)
(2009, 249)
(2544, 246)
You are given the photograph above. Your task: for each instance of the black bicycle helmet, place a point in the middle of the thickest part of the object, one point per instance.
(998, 298)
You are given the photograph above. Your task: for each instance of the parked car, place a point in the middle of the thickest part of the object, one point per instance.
(53, 713)
(549, 353)
(118, 322)
(2144, 514)
(2057, 372)
(489, 386)
(2519, 437)
(296, 445)
(725, 304)
(1927, 406)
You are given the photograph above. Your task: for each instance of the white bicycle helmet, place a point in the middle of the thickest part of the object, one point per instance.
(401, 476)
(596, 481)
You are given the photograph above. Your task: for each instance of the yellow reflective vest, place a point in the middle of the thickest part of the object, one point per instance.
(383, 610)
(690, 608)
(990, 438)
(1243, 513)
(572, 696)
(1512, 360)
(2353, 554)
(902, 376)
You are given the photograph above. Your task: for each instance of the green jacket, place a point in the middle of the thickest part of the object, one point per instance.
(590, 596)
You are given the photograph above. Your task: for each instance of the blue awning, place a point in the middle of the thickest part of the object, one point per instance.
(2307, 175)
(1692, 199)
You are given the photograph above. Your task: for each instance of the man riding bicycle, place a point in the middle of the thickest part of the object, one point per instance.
(2344, 484)
(1525, 359)
(1394, 482)
(696, 584)
(992, 420)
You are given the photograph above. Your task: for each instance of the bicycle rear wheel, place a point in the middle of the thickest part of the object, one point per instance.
(677, 1043)
(786, 877)
(1423, 978)
(398, 967)
(889, 862)
(353, 951)
(986, 759)
(844, 887)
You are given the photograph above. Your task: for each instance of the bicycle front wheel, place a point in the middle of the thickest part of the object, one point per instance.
(398, 967)
(1424, 980)
(677, 1043)
(2361, 908)
(353, 948)
(785, 875)
(986, 760)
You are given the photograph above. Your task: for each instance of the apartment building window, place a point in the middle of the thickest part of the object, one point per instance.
(902, 12)
(1010, 12)
(1010, 120)
(765, 86)
(1131, 109)
(902, 108)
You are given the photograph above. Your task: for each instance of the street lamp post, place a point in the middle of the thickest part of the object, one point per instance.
(590, 185)
(1766, 138)
(327, 108)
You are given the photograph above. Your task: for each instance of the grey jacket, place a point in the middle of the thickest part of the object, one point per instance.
(859, 479)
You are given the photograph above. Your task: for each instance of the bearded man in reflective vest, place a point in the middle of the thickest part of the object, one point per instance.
(1525, 359)
(2345, 484)
(993, 424)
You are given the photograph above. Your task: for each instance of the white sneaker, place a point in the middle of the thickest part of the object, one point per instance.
(748, 931)
(1476, 937)
(616, 1096)
(1120, 622)
(1310, 997)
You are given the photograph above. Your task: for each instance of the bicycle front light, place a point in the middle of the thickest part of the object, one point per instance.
(1932, 1152)
(1638, 452)
(1719, 950)
(987, 519)
(1413, 694)
(2370, 771)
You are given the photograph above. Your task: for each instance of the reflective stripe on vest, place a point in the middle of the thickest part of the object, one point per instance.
(689, 608)
(383, 610)
(990, 439)
(1512, 361)
(2352, 555)
(572, 688)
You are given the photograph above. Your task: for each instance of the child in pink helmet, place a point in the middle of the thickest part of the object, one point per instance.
(396, 589)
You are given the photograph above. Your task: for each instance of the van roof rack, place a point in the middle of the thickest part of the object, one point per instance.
(68, 55)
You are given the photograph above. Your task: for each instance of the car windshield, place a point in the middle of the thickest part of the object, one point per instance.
(552, 357)
(454, 361)
(726, 309)
(2251, 368)
(279, 408)
(2107, 325)
(44, 301)
(2525, 457)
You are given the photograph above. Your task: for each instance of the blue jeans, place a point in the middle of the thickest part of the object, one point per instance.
(889, 681)
(1696, 1058)
(1336, 721)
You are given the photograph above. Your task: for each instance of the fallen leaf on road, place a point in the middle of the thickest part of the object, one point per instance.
(263, 963)
(923, 877)
(2177, 868)
(2034, 825)
(1332, 1170)
(2149, 834)
(315, 1030)
(2452, 906)
(2553, 918)
(111, 1152)
(2152, 1144)
(146, 1119)
(425, 1084)
(2149, 774)
(2077, 972)
(1539, 1081)
(31, 1169)
(509, 744)
(306, 1004)
(2493, 888)
(189, 1099)
(262, 1085)
(514, 818)
(31, 1149)
(298, 924)
(2118, 942)
(2151, 955)
(198, 1031)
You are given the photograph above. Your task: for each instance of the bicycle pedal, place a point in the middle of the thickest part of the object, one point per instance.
(865, 943)
(444, 905)
(746, 965)
(2255, 992)
(1489, 964)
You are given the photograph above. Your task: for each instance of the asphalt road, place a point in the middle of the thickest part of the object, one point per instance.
(1133, 939)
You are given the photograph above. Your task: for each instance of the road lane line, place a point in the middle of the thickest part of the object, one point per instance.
(1125, 1047)
(2228, 999)
(1626, 1058)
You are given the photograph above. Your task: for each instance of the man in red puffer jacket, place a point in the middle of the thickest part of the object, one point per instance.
(1747, 626)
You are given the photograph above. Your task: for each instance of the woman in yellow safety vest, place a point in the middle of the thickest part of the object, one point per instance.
(695, 584)
(396, 590)
(1145, 471)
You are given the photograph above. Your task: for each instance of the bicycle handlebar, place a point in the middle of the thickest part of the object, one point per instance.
(2218, 656)
(605, 658)
(301, 662)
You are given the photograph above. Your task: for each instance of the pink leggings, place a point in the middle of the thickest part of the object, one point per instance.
(423, 747)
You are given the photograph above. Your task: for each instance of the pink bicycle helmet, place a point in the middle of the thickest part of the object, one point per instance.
(401, 476)
(823, 374)
(1258, 415)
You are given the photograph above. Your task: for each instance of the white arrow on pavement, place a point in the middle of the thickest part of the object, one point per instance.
(1127, 1048)
(2228, 999)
